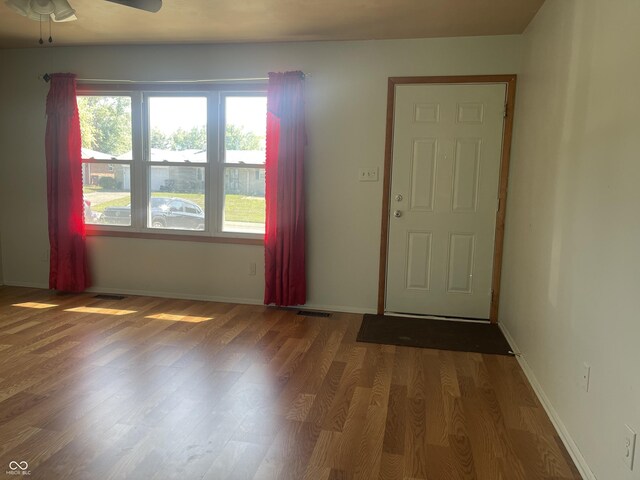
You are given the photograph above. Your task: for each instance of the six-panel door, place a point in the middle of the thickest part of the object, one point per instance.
(447, 142)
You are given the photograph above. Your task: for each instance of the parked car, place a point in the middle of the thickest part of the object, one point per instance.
(166, 212)
(117, 215)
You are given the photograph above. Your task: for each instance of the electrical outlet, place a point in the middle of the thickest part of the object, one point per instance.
(252, 268)
(368, 174)
(629, 447)
(586, 376)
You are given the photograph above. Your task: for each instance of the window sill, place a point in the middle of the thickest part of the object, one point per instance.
(96, 232)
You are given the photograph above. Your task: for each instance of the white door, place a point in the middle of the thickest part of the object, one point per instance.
(447, 144)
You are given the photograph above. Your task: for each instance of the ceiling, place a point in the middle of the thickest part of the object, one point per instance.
(235, 21)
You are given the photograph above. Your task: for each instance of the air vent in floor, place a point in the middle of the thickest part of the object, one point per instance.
(110, 297)
(309, 313)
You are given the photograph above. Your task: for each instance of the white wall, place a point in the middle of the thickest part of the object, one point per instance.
(346, 125)
(572, 264)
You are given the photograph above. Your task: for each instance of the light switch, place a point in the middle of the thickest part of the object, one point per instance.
(368, 174)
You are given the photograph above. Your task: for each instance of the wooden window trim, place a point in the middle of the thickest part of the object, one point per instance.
(96, 232)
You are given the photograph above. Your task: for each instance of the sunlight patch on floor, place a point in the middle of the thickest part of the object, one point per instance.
(105, 311)
(34, 305)
(178, 318)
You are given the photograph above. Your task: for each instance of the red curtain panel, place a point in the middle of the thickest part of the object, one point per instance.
(285, 277)
(68, 263)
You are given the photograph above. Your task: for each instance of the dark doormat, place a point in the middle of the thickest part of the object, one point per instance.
(438, 334)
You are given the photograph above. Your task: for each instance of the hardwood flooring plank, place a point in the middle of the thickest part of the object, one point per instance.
(156, 388)
(391, 467)
(394, 432)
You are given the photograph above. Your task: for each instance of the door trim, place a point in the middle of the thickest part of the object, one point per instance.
(510, 82)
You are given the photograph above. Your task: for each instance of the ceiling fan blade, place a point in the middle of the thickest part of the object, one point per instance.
(147, 5)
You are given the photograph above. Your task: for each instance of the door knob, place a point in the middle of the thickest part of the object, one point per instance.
(397, 213)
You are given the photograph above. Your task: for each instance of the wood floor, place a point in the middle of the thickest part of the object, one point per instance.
(149, 388)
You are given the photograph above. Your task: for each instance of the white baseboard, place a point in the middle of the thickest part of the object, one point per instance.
(148, 293)
(206, 298)
(11, 283)
(563, 433)
(176, 295)
(336, 308)
(215, 298)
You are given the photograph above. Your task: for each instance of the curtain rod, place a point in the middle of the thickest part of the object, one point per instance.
(46, 77)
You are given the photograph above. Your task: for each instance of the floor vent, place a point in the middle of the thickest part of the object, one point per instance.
(309, 313)
(110, 297)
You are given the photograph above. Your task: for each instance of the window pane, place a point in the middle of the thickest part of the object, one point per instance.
(244, 207)
(177, 198)
(107, 193)
(105, 125)
(178, 129)
(245, 129)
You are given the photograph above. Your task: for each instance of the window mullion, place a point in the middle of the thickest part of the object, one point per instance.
(214, 163)
(139, 174)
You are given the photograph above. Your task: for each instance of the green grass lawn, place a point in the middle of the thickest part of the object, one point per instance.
(238, 208)
(91, 188)
(118, 202)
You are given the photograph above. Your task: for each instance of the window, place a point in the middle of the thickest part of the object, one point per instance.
(105, 123)
(174, 162)
(177, 139)
(244, 160)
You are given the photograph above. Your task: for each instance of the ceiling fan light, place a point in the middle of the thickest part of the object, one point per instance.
(146, 5)
(18, 6)
(41, 7)
(70, 18)
(36, 16)
(62, 11)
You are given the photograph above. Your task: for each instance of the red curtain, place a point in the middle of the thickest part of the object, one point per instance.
(68, 269)
(285, 277)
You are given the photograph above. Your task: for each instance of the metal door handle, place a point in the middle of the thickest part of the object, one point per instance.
(397, 213)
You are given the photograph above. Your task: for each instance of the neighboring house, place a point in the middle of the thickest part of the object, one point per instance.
(93, 172)
(122, 175)
(245, 181)
(172, 178)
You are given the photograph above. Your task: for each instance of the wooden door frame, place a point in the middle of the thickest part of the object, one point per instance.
(510, 81)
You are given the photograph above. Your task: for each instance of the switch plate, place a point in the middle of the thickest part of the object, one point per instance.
(586, 376)
(629, 446)
(252, 268)
(368, 174)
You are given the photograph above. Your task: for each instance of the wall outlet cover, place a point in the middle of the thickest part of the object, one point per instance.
(586, 377)
(629, 447)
